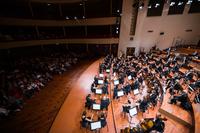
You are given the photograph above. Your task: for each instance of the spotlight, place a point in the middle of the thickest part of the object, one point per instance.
(157, 4)
(141, 6)
(180, 3)
(189, 2)
(66, 17)
(172, 3)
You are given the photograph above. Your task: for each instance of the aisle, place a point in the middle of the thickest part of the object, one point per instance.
(68, 118)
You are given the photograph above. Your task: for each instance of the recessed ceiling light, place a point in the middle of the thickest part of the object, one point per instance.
(172, 3)
(180, 3)
(189, 2)
(157, 4)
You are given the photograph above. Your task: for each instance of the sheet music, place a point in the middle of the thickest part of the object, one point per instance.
(133, 111)
(95, 125)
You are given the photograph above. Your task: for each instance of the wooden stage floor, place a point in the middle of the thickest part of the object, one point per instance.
(69, 116)
(68, 119)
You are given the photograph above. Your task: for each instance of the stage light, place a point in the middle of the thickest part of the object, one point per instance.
(180, 3)
(157, 4)
(172, 3)
(189, 2)
(141, 5)
(67, 17)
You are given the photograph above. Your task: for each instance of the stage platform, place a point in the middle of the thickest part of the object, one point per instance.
(175, 112)
(69, 116)
(196, 109)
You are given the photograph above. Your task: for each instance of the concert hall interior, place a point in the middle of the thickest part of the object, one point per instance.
(100, 66)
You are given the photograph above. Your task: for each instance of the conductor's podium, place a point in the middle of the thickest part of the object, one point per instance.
(176, 113)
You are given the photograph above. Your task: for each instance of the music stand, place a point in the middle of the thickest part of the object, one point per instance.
(120, 93)
(129, 77)
(94, 126)
(98, 91)
(132, 112)
(96, 106)
(100, 82)
(101, 75)
(107, 70)
(136, 91)
(116, 82)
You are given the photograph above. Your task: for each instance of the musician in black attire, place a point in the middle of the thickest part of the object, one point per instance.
(189, 76)
(115, 92)
(159, 124)
(153, 97)
(96, 80)
(183, 99)
(104, 103)
(85, 121)
(127, 89)
(89, 101)
(105, 89)
(143, 105)
(136, 85)
(102, 119)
